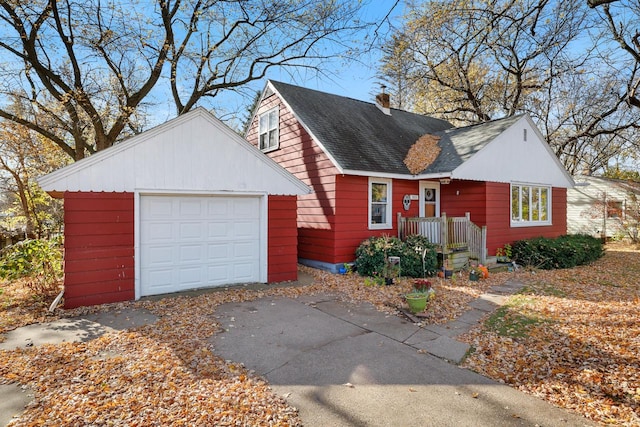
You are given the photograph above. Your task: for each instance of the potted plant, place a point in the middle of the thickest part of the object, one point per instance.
(345, 268)
(478, 272)
(503, 254)
(421, 294)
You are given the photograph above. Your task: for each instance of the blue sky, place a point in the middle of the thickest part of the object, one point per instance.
(353, 79)
(356, 79)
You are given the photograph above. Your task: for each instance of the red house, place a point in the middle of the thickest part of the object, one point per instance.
(188, 204)
(353, 153)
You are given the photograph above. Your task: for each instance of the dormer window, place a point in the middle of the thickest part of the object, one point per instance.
(268, 131)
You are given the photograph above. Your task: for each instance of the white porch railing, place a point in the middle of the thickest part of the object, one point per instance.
(448, 234)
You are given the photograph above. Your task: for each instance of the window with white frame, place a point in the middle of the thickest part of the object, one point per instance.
(268, 130)
(530, 205)
(614, 209)
(379, 203)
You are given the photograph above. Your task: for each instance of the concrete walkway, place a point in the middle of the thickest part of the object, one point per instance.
(350, 365)
(339, 364)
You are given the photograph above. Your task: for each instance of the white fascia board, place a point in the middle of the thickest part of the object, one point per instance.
(68, 179)
(439, 175)
(304, 125)
(396, 175)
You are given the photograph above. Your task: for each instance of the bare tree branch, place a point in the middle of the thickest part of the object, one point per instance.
(96, 65)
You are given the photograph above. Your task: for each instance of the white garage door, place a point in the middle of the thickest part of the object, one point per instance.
(189, 242)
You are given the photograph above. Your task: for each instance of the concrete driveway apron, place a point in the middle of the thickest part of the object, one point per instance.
(351, 365)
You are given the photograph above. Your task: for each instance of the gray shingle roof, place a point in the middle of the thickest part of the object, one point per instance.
(361, 137)
(460, 144)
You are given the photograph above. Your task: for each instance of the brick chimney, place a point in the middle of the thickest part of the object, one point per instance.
(382, 102)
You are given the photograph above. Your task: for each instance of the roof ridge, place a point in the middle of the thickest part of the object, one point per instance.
(493, 121)
(372, 103)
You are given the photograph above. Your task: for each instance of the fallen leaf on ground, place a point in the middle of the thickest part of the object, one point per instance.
(581, 354)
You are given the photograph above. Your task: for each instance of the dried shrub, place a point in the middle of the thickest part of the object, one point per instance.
(38, 261)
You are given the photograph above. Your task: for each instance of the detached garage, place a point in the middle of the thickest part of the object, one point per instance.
(188, 204)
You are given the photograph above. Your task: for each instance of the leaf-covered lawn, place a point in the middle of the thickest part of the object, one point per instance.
(19, 306)
(572, 338)
(166, 373)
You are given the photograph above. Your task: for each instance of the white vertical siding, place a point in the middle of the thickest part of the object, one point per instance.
(513, 158)
(194, 152)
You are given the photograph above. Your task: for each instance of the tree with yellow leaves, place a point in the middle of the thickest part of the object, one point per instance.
(25, 155)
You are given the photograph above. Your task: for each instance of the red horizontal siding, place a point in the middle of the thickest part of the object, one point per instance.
(82, 254)
(499, 230)
(460, 197)
(300, 155)
(283, 239)
(98, 228)
(108, 202)
(351, 226)
(352, 209)
(316, 244)
(106, 263)
(99, 240)
(99, 248)
(105, 285)
(104, 216)
(97, 299)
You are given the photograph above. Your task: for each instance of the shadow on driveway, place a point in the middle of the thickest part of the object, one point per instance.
(347, 365)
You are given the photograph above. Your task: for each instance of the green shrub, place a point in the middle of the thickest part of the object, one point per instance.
(372, 253)
(38, 259)
(561, 252)
(419, 258)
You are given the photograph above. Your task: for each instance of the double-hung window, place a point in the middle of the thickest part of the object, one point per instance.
(530, 205)
(268, 130)
(379, 203)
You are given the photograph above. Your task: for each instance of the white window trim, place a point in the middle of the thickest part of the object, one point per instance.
(424, 185)
(549, 220)
(266, 113)
(387, 224)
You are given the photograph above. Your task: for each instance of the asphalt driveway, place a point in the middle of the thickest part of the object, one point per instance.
(347, 365)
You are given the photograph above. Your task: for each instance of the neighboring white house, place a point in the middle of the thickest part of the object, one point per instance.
(600, 206)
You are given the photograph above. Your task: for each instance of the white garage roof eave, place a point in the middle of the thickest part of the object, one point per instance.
(193, 152)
